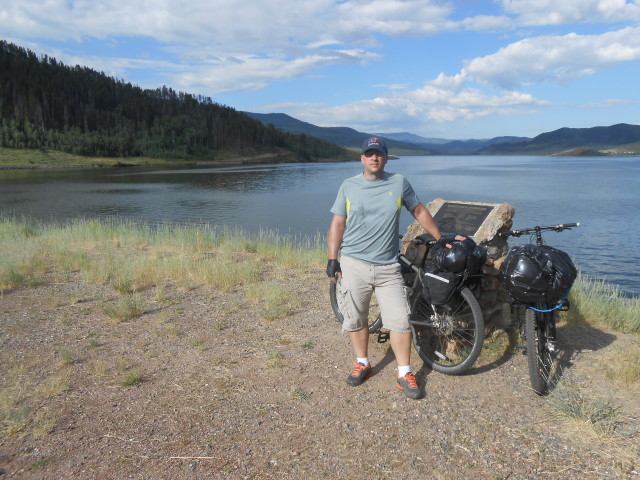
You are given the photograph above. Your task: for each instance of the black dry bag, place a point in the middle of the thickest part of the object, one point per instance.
(537, 274)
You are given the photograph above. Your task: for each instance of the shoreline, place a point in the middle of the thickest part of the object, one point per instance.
(45, 159)
(262, 159)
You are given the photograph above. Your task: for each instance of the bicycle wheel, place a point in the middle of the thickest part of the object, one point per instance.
(375, 320)
(449, 337)
(539, 355)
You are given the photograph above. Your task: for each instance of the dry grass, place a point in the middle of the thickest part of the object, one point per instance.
(22, 396)
(496, 345)
(272, 300)
(623, 367)
(597, 303)
(592, 418)
(124, 308)
(132, 257)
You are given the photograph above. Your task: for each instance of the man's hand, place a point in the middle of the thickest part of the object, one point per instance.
(333, 269)
(446, 240)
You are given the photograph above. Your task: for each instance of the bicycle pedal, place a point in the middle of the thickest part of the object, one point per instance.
(383, 337)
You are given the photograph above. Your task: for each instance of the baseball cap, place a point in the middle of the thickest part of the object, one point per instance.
(374, 143)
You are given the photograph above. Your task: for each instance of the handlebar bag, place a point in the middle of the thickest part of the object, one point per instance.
(532, 274)
(463, 256)
(437, 287)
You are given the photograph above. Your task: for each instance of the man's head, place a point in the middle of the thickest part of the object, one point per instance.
(374, 157)
(374, 143)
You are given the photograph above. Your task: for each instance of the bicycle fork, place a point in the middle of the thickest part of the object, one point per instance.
(549, 329)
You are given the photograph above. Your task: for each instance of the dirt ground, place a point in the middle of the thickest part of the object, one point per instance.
(201, 386)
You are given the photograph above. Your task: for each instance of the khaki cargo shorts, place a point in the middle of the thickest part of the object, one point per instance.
(359, 281)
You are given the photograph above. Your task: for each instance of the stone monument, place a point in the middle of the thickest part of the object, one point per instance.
(482, 222)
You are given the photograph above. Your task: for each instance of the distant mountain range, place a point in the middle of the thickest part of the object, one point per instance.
(343, 136)
(616, 139)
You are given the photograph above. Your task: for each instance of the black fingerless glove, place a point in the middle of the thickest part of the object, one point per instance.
(333, 267)
(446, 238)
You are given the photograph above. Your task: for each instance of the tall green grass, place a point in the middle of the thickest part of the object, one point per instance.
(598, 303)
(132, 257)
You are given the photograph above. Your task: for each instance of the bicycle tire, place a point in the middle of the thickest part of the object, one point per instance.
(374, 325)
(448, 339)
(539, 358)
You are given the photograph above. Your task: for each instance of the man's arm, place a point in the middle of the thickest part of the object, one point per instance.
(424, 218)
(334, 238)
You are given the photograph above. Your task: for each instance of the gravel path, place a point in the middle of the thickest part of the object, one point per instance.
(220, 392)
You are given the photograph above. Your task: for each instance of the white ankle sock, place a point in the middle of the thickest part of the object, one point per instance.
(403, 370)
(364, 361)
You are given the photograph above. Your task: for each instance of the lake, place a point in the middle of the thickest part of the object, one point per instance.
(599, 192)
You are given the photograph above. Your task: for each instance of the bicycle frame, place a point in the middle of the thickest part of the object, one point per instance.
(448, 337)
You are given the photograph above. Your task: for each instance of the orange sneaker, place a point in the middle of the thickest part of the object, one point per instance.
(359, 375)
(409, 384)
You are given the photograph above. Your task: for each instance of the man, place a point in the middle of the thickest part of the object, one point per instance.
(364, 230)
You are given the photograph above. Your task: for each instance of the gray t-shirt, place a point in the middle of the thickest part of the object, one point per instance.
(372, 209)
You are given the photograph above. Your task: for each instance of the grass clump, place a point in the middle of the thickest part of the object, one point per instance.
(66, 357)
(124, 309)
(299, 394)
(38, 464)
(496, 345)
(275, 301)
(597, 303)
(275, 360)
(623, 367)
(130, 379)
(596, 413)
(308, 345)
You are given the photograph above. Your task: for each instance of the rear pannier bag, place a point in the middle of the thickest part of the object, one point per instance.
(439, 286)
(532, 274)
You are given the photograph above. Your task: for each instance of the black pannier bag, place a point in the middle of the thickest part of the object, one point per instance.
(463, 256)
(439, 286)
(532, 274)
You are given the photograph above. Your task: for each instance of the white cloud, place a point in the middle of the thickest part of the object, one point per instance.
(554, 12)
(227, 24)
(225, 45)
(488, 23)
(610, 103)
(252, 72)
(394, 17)
(445, 99)
(555, 58)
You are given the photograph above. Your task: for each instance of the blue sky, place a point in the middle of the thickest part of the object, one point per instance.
(440, 69)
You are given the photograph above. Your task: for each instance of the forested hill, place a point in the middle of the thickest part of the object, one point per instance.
(621, 138)
(45, 104)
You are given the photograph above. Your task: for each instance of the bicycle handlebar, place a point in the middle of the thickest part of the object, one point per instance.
(524, 231)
